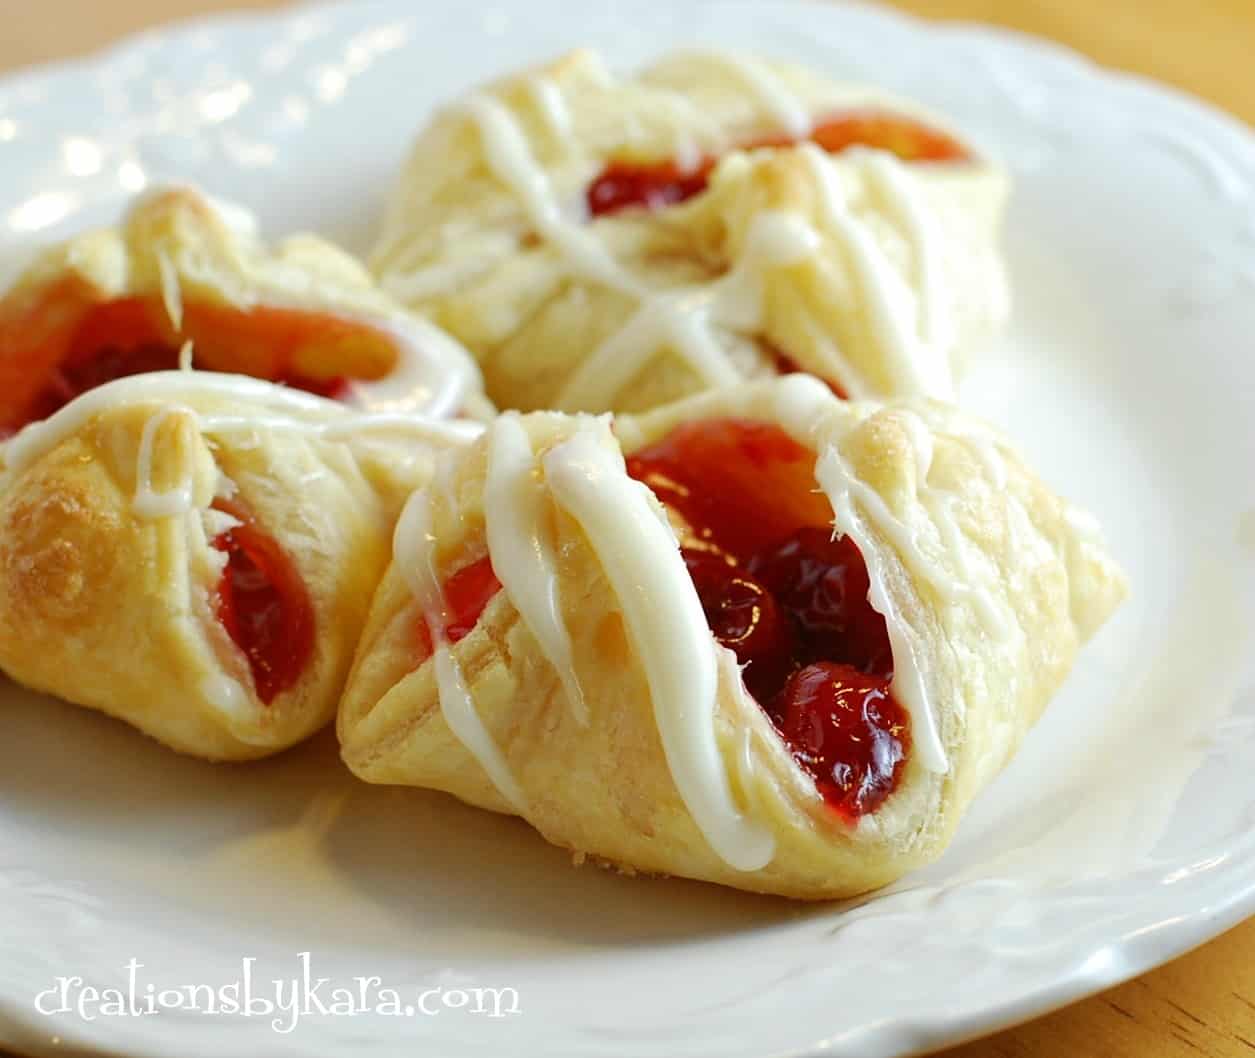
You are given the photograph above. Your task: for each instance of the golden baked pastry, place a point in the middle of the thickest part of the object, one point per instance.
(612, 244)
(867, 609)
(195, 552)
(182, 268)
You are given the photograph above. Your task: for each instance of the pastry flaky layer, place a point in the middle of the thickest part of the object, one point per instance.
(591, 699)
(110, 577)
(864, 269)
(182, 267)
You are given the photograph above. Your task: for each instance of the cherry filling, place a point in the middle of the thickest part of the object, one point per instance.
(822, 584)
(263, 604)
(466, 593)
(649, 185)
(787, 599)
(64, 344)
(846, 730)
(657, 184)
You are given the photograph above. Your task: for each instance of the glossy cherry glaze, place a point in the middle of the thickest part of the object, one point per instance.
(263, 604)
(644, 184)
(61, 347)
(822, 584)
(846, 730)
(654, 185)
(790, 601)
(745, 618)
(466, 593)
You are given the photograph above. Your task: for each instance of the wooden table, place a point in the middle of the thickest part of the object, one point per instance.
(1204, 1003)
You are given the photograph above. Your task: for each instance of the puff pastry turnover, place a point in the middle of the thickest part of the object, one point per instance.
(867, 609)
(183, 268)
(195, 552)
(611, 244)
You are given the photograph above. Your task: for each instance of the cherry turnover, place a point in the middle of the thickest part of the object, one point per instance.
(777, 590)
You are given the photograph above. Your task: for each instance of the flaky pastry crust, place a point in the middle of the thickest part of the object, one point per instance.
(891, 271)
(114, 607)
(606, 789)
(196, 270)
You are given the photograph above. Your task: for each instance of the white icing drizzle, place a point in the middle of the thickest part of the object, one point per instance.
(433, 373)
(668, 629)
(841, 488)
(681, 319)
(806, 408)
(512, 162)
(148, 503)
(941, 509)
(912, 326)
(657, 323)
(552, 106)
(899, 192)
(586, 477)
(972, 585)
(772, 94)
(521, 543)
(277, 408)
(921, 421)
(891, 304)
(414, 551)
(352, 428)
(801, 404)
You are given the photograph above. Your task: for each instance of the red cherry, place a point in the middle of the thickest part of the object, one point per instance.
(657, 184)
(744, 618)
(264, 605)
(651, 186)
(65, 346)
(822, 583)
(846, 731)
(466, 593)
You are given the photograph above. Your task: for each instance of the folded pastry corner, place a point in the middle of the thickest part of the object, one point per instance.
(184, 276)
(604, 243)
(760, 637)
(195, 553)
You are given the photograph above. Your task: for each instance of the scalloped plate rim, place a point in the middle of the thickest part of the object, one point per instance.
(1163, 943)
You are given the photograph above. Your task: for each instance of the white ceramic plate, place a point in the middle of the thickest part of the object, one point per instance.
(1123, 834)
